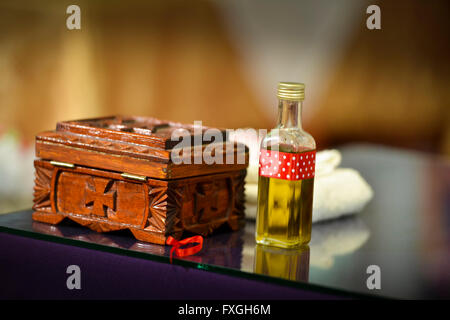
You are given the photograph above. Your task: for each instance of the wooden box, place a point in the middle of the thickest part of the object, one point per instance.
(117, 173)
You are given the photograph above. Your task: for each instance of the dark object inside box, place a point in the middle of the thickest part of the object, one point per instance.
(117, 173)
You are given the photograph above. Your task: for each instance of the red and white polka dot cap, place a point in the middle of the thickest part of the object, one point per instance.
(287, 166)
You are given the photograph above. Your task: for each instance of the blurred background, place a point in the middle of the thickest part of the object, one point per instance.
(219, 61)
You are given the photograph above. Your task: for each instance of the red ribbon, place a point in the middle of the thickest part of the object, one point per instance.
(184, 252)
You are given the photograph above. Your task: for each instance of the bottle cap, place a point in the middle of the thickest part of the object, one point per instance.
(291, 91)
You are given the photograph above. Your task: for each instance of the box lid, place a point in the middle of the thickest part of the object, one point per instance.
(141, 146)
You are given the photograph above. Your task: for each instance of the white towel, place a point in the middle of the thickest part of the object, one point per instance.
(339, 193)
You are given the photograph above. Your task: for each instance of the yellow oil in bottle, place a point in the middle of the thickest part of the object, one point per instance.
(284, 212)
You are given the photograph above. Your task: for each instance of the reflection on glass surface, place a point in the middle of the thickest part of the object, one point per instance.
(329, 240)
(147, 248)
(290, 264)
(70, 231)
(336, 237)
(224, 249)
(238, 250)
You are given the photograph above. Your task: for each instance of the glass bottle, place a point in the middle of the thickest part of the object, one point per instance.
(286, 175)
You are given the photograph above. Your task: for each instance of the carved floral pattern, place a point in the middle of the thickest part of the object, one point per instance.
(164, 211)
(42, 189)
(158, 209)
(173, 220)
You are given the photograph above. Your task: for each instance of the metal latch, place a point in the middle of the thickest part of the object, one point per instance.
(62, 164)
(133, 176)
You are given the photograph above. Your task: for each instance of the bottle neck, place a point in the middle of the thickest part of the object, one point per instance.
(289, 114)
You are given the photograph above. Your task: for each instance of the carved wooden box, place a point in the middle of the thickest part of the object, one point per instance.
(118, 173)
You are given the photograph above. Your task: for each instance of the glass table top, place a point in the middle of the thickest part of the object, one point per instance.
(404, 231)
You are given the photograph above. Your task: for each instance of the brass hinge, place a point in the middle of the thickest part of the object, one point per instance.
(133, 176)
(62, 164)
